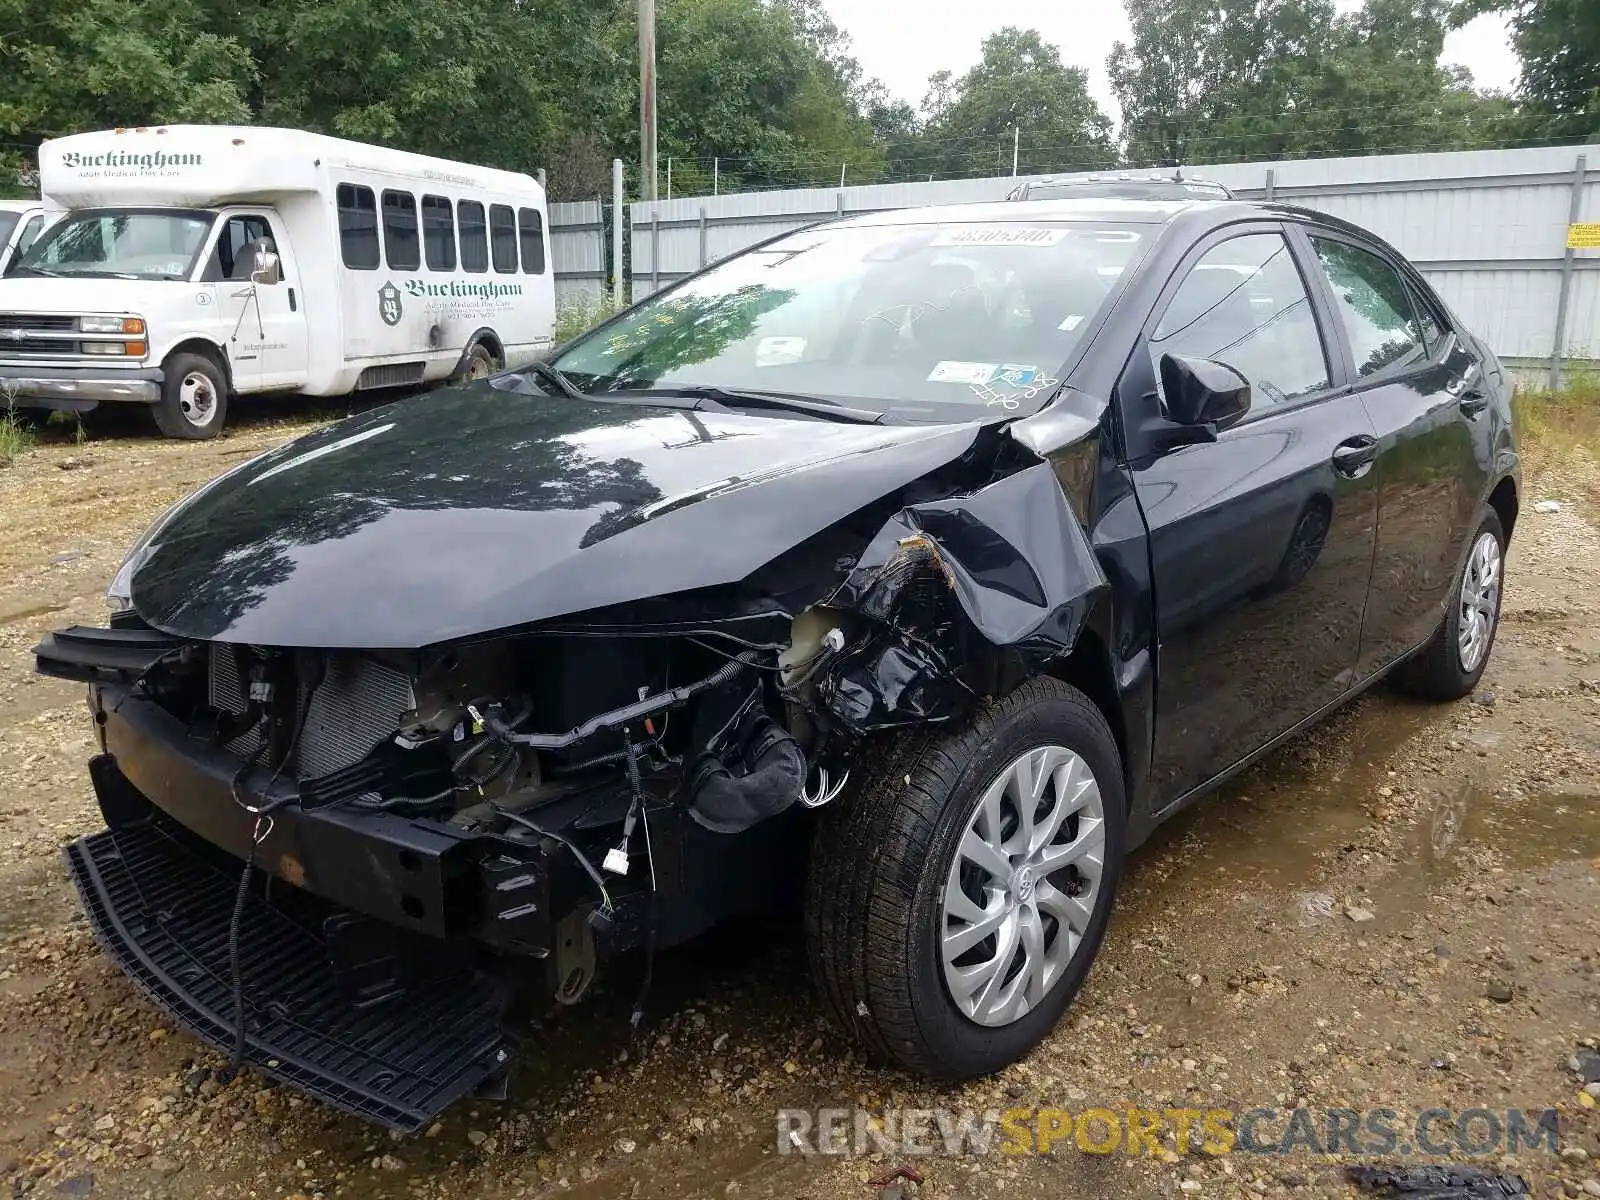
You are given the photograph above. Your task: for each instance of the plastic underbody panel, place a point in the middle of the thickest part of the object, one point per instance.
(161, 909)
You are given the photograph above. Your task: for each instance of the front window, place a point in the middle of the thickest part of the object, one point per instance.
(8, 222)
(120, 245)
(941, 322)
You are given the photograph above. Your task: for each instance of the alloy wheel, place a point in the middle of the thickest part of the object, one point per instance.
(1480, 601)
(1022, 888)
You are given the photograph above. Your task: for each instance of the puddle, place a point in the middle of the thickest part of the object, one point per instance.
(1280, 824)
(1527, 833)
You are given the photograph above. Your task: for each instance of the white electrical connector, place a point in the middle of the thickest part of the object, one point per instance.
(616, 861)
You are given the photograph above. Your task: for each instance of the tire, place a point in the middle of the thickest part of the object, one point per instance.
(477, 363)
(1443, 670)
(194, 398)
(882, 862)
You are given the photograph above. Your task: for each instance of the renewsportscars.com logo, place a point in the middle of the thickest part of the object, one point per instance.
(156, 160)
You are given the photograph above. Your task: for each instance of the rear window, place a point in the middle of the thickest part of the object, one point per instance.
(358, 227)
(530, 232)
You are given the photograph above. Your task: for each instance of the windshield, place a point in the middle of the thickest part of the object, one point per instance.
(939, 322)
(123, 245)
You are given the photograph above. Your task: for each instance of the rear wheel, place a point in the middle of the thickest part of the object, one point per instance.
(954, 906)
(1454, 661)
(478, 363)
(194, 398)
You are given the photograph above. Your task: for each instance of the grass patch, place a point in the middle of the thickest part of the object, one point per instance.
(579, 316)
(16, 438)
(1559, 436)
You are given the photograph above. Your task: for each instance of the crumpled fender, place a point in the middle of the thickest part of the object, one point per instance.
(1019, 566)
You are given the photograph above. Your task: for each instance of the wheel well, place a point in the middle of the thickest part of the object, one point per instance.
(1504, 502)
(491, 343)
(1088, 668)
(208, 350)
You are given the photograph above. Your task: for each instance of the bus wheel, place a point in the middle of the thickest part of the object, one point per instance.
(194, 398)
(478, 364)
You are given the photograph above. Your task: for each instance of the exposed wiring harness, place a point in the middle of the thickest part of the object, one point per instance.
(258, 834)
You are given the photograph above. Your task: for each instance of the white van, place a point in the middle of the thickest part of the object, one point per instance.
(20, 223)
(194, 263)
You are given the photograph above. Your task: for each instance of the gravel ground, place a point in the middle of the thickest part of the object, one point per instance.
(1400, 910)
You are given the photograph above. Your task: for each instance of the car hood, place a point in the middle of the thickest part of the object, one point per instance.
(476, 509)
(28, 293)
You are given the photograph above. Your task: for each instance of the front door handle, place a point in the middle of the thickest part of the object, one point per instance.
(1354, 456)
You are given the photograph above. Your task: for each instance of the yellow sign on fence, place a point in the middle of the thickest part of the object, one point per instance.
(1584, 236)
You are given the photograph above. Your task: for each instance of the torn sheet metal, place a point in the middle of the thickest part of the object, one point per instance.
(1012, 552)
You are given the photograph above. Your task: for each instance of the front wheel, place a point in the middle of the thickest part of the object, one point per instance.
(1451, 665)
(194, 398)
(954, 906)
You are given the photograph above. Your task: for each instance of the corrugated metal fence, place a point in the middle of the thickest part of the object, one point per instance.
(1488, 228)
(578, 251)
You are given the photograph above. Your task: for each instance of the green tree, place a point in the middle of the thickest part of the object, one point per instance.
(1559, 44)
(1021, 84)
(1219, 80)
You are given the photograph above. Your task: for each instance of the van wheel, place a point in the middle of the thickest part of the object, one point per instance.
(479, 363)
(194, 398)
(954, 906)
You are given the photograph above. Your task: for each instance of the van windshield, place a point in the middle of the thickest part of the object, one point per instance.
(108, 244)
(936, 322)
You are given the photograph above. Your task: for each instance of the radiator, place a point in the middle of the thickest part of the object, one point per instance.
(357, 704)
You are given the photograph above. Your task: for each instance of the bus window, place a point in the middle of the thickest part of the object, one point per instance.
(400, 231)
(474, 237)
(438, 233)
(530, 230)
(358, 227)
(503, 238)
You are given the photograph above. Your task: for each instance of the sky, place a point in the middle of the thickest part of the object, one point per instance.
(902, 42)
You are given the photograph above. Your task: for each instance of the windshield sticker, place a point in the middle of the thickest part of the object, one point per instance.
(1030, 383)
(962, 372)
(1071, 323)
(998, 235)
(1016, 375)
(776, 351)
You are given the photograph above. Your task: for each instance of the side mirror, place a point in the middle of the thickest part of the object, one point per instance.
(268, 270)
(1203, 393)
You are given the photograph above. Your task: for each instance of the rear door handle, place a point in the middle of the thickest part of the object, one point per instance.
(1354, 456)
(292, 306)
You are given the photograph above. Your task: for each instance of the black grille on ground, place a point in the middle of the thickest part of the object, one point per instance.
(161, 911)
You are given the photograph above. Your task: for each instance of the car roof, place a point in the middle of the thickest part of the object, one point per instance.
(1077, 208)
(17, 206)
(1199, 214)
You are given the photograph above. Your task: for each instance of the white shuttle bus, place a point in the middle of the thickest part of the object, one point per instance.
(182, 265)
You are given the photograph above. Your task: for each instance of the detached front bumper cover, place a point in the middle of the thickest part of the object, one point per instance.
(160, 906)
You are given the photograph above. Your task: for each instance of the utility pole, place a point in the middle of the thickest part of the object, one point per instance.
(647, 99)
(1016, 148)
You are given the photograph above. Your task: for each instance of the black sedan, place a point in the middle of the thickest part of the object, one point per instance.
(902, 572)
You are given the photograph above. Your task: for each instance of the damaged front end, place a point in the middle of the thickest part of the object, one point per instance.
(347, 866)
